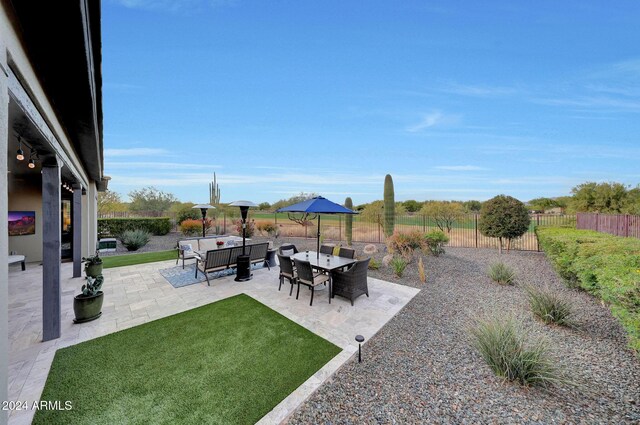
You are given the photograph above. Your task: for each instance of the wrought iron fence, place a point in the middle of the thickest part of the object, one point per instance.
(463, 232)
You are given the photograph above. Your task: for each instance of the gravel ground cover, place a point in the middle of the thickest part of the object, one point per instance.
(420, 367)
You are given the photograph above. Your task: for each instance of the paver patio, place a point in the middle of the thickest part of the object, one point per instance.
(138, 294)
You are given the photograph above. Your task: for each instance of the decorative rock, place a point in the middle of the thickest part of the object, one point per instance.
(370, 249)
(386, 260)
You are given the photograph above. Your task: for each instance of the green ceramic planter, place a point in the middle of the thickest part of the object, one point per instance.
(93, 270)
(87, 309)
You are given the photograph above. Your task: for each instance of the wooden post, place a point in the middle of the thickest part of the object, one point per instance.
(76, 228)
(51, 239)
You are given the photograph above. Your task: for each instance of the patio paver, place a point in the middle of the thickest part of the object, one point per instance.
(138, 294)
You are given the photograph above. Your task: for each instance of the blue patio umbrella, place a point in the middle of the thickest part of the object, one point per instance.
(317, 205)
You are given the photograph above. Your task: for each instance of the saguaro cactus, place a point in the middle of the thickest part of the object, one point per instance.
(348, 223)
(389, 206)
(214, 191)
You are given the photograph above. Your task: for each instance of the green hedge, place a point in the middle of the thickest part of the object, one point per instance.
(116, 226)
(604, 265)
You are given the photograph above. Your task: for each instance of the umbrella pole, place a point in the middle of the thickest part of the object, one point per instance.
(318, 240)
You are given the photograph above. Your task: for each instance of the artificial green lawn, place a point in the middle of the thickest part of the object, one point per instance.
(144, 257)
(228, 362)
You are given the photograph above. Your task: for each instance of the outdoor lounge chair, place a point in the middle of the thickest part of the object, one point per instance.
(215, 260)
(347, 253)
(307, 277)
(287, 272)
(353, 282)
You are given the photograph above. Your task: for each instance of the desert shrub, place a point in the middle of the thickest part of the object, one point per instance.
(374, 264)
(250, 230)
(191, 227)
(266, 228)
(503, 344)
(606, 266)
(398, 264)
(421, 272)
(501, 273)
(549, 306)
(135, 239)
(405, 244)
(117, 226)
(435, 242)
(188, 213)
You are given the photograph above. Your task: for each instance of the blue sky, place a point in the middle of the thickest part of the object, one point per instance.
(454, 99)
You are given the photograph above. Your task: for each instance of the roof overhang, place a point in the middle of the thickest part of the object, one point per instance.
(63, 42)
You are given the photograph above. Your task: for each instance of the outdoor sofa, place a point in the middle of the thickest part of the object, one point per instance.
(190, 247)
(219, 259)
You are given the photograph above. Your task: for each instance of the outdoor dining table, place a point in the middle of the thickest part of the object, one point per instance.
(325, 263)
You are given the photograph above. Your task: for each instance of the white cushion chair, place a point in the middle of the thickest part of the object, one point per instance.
(15, 258)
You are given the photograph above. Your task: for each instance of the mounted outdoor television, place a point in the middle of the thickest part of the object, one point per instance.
(22, 223)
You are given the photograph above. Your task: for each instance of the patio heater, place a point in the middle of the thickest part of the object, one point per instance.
(203, 208)
(243, 270)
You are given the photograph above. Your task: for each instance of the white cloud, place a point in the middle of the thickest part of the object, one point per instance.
(432, 119)
(460, 168)
(478, 90)
(174, 6)
(136, 152)
(160, 165)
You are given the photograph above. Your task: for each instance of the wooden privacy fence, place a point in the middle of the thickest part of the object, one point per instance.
(464, 231)
(614, 224)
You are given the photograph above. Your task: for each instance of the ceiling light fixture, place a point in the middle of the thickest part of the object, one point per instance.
(32, 157)
(20, 155)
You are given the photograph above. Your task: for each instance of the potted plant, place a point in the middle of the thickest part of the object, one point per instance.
(87, 306)
(219, 244)
(93, 265)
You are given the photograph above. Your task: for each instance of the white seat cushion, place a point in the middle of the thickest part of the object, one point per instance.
(16, 259)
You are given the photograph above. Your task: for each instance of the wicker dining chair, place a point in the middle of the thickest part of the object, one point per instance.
(326, 249)
(307, 277)
(347, 253)
(287, 272)
(287, 249)
(353, 282)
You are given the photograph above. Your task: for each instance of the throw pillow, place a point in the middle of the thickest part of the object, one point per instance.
(186, 247)
(336, 250)
(287, 252)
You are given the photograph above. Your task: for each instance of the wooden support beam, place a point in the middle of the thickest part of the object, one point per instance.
(76, 226)
(51, 240)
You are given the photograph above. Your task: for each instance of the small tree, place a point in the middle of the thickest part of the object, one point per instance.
(150, 199)
(444, 213)
(412, 205)
(109, 201)
(373, 213)
(503, 217)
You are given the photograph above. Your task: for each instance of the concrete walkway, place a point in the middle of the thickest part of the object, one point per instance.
(138, 294)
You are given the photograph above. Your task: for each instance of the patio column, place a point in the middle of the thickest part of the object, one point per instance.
(4, 232)
(76, 227)
(51, 239)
